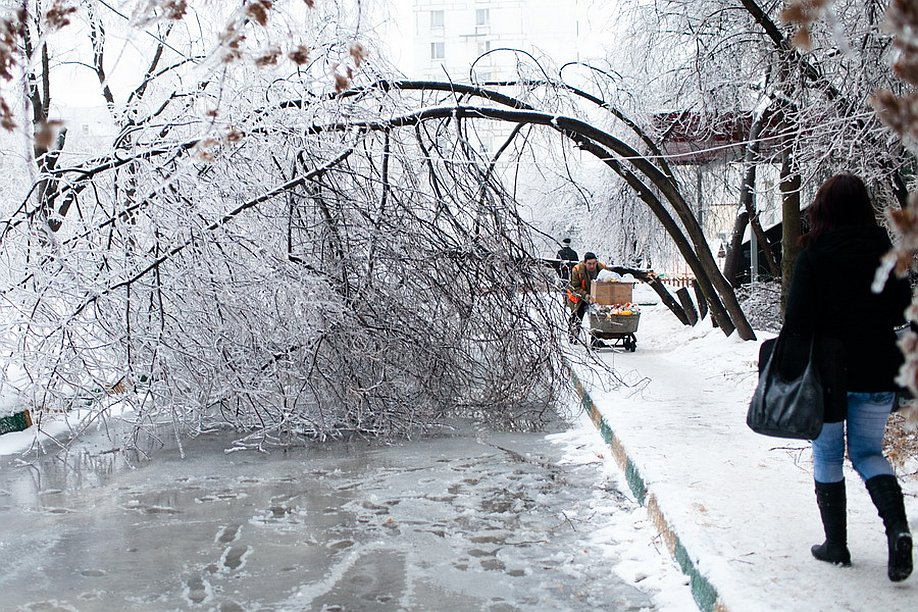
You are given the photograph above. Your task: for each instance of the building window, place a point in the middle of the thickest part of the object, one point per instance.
(484, 46)
(482, 17)
(437, 50)
(436, 20)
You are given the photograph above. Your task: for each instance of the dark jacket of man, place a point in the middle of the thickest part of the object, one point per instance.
(568, 254)
(831, 295)
(567, 257)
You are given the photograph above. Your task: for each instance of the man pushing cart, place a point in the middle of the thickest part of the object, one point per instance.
(612, 315)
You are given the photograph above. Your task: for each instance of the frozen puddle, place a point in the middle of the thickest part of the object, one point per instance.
(466, 522)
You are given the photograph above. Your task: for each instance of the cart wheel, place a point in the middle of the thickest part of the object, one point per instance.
(633, 346)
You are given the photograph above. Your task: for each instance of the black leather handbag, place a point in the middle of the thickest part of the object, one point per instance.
(798, 378)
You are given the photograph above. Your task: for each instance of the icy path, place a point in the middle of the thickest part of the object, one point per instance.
(467, 522)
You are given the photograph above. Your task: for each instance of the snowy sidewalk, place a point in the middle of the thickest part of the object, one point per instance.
(737, 509)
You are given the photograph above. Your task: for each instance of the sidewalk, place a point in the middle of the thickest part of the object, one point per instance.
(736, 509)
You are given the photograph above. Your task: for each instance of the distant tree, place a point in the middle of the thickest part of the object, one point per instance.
(730, 58)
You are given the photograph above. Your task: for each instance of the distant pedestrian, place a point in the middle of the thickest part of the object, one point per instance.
(831, 296)
(578, 292)
(567, 258)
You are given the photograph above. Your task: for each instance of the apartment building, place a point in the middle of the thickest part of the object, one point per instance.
(472, 41)
(461, 39)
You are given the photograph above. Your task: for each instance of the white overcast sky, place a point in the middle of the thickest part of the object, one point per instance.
(387, 25)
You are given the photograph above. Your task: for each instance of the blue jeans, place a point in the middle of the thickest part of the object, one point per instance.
(867, 416)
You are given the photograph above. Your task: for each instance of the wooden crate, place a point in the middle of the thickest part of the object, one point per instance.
(611, 292)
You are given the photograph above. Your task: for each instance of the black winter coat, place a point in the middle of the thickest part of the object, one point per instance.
(568, 254)
(831, 295)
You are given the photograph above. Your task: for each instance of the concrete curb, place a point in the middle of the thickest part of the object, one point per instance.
(704, 593)
(15, 422)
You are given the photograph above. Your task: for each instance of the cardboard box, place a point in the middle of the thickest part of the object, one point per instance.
(611, 292)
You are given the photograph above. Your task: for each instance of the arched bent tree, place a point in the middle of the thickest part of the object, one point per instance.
(717, 291)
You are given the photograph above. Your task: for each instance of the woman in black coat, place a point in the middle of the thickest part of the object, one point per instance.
(835, 292)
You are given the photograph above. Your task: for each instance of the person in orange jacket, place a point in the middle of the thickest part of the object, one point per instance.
(578, 291)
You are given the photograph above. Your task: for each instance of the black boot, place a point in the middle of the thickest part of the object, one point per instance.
(830, 497)
(887, 497)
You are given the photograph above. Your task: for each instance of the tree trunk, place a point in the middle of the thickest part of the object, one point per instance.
(747, 193)
(685, 298)
(735, 248)
(702, 304)
(791, 227)
(650, 277)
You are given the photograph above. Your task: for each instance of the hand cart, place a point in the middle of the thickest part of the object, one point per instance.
(613, 326)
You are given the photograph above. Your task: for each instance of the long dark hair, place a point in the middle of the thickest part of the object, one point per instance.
(842, 200)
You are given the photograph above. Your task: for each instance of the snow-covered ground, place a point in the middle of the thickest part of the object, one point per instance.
(742, 504)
